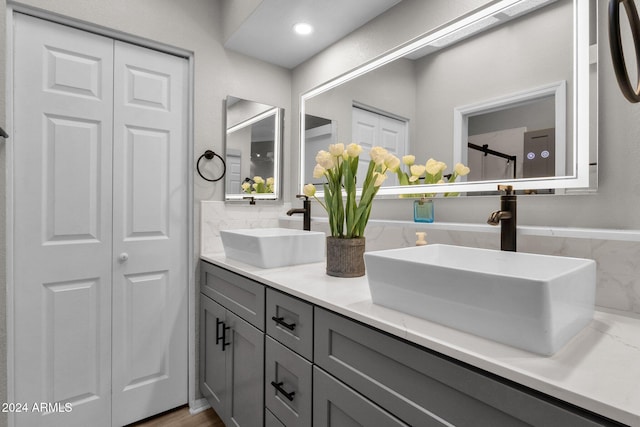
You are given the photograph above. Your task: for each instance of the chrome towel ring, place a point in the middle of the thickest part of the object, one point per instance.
(631, 92)
(210, 155)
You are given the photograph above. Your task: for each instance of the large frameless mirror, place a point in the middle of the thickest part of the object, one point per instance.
(505, 89)
(253, 150)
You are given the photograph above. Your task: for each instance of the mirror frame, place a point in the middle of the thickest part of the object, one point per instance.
(278, 114)
(581, 105)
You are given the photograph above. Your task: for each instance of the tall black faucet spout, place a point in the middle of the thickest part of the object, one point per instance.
(507, 218)
(305, 211)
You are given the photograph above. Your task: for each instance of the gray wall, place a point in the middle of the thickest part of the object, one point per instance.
(618, 197)
(218, 73)
(529, 52)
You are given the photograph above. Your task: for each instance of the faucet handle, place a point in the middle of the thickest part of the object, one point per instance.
(508, 189)
(302, 196)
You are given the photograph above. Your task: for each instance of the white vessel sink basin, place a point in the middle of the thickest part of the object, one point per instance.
(533, 302)
(273, 247)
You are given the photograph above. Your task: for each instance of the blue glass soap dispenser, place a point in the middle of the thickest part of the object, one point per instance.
(423, 210)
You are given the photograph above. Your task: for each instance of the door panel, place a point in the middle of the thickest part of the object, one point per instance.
(212, 358)
(149, 234)
(98, 181)
(371, 129)
(245, 374)
(62, 222)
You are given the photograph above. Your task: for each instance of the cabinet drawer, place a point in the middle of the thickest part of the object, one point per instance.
(240, 295)
(290, 321)
(270, 420)
(287, 385)
(336, 405)
(419, 386)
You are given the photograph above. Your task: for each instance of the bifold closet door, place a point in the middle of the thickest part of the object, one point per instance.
(63, 108)
(99, 228)
(150, 356)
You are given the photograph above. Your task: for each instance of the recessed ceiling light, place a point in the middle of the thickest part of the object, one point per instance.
(303, 28)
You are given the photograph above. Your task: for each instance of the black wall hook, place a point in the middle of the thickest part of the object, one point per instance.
(3, 134)
(631, 92)
(210, 155)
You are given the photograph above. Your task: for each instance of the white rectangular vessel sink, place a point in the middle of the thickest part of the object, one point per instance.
(273, 247)
(533, 302)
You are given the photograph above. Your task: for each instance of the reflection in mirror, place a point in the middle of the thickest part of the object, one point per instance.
(506, 69)
(519, 136)
(253, 146)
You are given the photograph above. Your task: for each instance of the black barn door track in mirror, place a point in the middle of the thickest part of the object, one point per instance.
(629, 90)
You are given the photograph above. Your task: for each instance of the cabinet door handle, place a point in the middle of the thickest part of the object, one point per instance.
(225, 328)
(280, 321)
(278, 386)
(218, 337)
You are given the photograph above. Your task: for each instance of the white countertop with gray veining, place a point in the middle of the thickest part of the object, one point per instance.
(598, 370)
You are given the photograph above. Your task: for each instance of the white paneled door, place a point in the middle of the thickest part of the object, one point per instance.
(372, 129)
(100, 228)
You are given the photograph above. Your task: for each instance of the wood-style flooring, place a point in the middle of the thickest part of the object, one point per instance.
(181, 417)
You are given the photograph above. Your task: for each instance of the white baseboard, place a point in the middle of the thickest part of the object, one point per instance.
(198, 406)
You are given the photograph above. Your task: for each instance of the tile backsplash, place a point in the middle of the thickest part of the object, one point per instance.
(216, 216)
(618, 261)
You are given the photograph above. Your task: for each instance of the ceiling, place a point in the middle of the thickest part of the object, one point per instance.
(267, 33)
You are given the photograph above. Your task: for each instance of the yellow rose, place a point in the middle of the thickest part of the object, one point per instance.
(391, 162)
(309, 190)
(336, 150)
(378, 155)
(442, 165)
(258, 180)
(318, 172)
(354, 150)
(325, 159)
(270, 181)
(409, 159)
(246, 186)
(461, 169)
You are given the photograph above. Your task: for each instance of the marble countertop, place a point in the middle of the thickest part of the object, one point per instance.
(598, 370)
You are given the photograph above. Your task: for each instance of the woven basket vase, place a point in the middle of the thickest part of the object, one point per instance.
(345, 257)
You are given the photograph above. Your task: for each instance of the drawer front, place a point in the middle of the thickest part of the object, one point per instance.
(417, 385)
(240, 295)
(270, 420)
(336, 405)
(290, 321)
(287, 385)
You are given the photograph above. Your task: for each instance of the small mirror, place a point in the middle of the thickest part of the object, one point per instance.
(503, 89)
(253, 147)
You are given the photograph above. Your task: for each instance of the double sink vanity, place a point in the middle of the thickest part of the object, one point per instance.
(435, 335)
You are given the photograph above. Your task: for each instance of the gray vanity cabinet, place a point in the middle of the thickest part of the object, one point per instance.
(317, 368)
(425, 389)
(232, 346)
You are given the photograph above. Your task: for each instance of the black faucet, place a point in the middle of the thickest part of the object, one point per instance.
(305, 211)
(507, 217)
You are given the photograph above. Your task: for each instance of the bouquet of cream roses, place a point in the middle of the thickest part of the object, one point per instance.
(339, 166)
